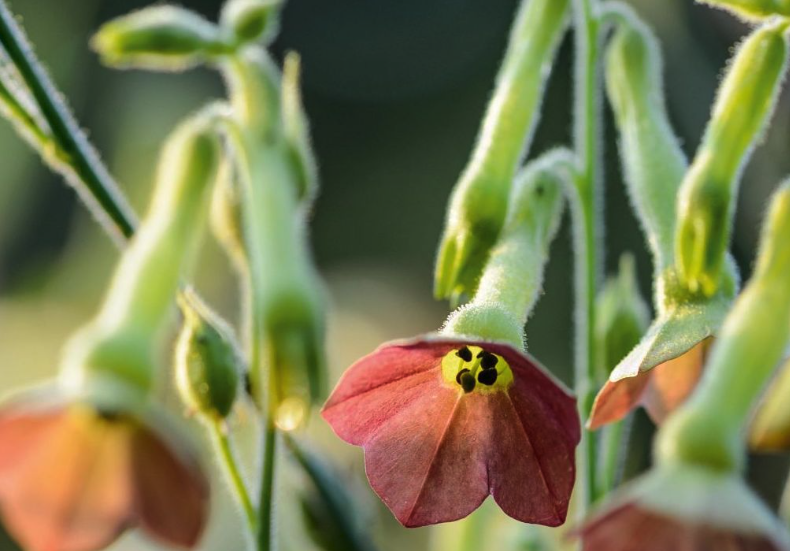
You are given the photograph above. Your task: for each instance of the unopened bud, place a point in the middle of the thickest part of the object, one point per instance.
(208, 363)
(251, 20)
(705, 201)
(226, 215)
(163, 38)
(296, 129)
(752, 9)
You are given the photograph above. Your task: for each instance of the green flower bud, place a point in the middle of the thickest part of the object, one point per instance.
(706, 199)
(752, 9)
(119, 342)
(621, 318)
(296, 129)
(513, 276)
(208, 364)
(251, 20)
(653, 162)
(254, 83)
(708, 430)
(478, 205)
(160, 38)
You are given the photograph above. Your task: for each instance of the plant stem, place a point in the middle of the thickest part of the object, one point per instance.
(265, 509)
(587, 229)
(93, 182)
(224, 450)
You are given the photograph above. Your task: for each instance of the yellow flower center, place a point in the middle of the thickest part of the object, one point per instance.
(471, 368)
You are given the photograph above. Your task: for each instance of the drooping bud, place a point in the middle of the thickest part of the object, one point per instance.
(208, 363)
(707, 196)
(513, 275)
(160, 38)
(652, 159)
(753, 9)
(251, 20)
(621, 318)
(479, 202)
(296, 129)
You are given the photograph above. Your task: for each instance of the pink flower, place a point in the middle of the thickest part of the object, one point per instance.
(446, 422)
(74, 477)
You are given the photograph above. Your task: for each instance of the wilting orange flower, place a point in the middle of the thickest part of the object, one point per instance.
(74, 476)
(446, 422)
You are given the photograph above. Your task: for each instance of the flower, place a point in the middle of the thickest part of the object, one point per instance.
(444, 422)
(665, 366)
(688, 507)
(74, 474)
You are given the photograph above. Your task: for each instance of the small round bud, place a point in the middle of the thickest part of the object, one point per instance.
(251, 20)
(208, 365)
(163, 38)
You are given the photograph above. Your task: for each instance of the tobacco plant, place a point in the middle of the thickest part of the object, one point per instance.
(445, 419)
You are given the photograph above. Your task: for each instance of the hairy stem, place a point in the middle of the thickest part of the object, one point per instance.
(91, 179)
(586, 213)
(230, 465)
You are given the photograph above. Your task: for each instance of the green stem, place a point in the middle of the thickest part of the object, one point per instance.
(265, 509)
(612, 455)
(587, 229)
(94, 183)
(227, 458)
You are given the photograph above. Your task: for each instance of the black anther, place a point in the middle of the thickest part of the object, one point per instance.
(487, 377)
(467, 381)
(488, 361)
(465, 354)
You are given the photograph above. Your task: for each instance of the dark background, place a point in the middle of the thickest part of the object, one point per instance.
(395, 92)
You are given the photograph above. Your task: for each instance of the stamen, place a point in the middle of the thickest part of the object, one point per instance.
(458, 377)
(487, 376)
(465, 354)
(488, 360)
(467, 381)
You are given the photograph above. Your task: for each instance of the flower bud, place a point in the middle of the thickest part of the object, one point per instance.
(513, 275)
(478, 205)
(208, 364)
(296, 129)
(753, 9)
(119, 341)
(621, 318)
(748, 350)
(251, 20)
(706, 199)
(652, 160)
(160, 38)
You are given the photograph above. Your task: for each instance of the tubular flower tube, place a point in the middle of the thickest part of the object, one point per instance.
(662, 370)
(695, 498)
(87, 458)
(752, 9)
(286, 291)
(449, 418)
(706, 200)
(478, 205)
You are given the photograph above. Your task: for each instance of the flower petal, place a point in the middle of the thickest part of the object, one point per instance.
(632, 528)
(73, 493)
(434, 453)
(617, 399)
(22, 430)
(171, 490)
(381, 384)
(673, 381)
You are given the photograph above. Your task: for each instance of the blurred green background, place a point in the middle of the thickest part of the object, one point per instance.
(395, 91)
